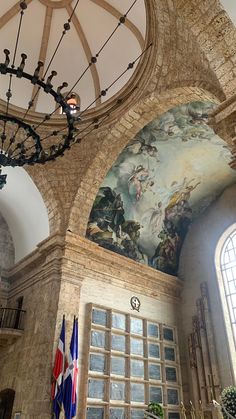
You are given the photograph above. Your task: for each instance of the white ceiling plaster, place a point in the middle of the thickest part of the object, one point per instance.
(24, 210)
(230, 8)
(70, 61)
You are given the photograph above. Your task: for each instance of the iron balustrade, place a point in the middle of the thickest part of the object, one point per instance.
(11, 318)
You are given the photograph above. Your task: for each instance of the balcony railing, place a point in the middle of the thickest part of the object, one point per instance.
(11, 318)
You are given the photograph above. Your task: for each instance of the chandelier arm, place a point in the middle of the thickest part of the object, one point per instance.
(66, 28)
(58, 98)
(21, 155)
(9, 94)
(73, 11)
(94, 59)
(96, 122)
(18, 37)
(103, 92)
(78, 140)
(3, 136)
(130, 66)
(51, 134)
(52, 58)
(99, 123)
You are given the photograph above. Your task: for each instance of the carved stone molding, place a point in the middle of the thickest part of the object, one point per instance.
(73, 258)
(121, 271)
(223, 122)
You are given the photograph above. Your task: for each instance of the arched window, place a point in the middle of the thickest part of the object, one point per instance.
(228, 270)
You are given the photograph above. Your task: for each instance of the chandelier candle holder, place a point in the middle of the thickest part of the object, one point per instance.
(23, 143)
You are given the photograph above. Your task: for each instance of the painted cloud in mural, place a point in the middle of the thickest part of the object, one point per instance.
(168, 174)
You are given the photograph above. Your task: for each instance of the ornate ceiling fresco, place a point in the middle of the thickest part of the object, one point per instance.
(163, 179)
(90, 26)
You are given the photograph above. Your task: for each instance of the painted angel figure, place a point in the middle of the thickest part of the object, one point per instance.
(154, 218)
(134, 177)
(139, 175)
(183, 192)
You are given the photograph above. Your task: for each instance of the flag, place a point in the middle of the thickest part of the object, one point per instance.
(58, 371)
(71, 376)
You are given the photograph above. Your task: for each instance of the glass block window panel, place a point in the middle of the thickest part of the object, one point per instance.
(136, 346)
(96, 389)
(98, 339)
(95, 413)
(118, 365)
(173, 415)
(154, 371)
(169, 353)
(168, 334)
(153, 350)
(99, 317)
(153, 330)
(171, 374)
(116, 413)
(137, 414)
(136, 326)
(172, 396)
(118, 321)
(118, 343)
(117, 391)
(141, 357)
(137, 368)
(97, 363)
(155, 394)
(137, 392)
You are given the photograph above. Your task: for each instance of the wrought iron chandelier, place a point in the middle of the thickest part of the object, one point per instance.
(22, 143)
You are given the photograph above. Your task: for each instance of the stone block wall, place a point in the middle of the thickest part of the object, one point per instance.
(26, 363)
(62, 278)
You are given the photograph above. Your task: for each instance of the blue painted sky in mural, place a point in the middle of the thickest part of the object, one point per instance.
(168, 174)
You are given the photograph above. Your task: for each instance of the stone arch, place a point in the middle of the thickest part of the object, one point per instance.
(50, 198)
(7, 249)
(118, 137)
(6, 403)
(215, 35)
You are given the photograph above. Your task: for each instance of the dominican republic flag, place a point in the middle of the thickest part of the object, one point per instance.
(71, 376)
(58, 372)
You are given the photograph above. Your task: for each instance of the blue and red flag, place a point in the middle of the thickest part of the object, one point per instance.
(71, 376)
(58, 372)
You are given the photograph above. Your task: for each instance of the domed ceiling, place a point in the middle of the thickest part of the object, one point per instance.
(163, 179)
(91, 25)
(229, 6)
